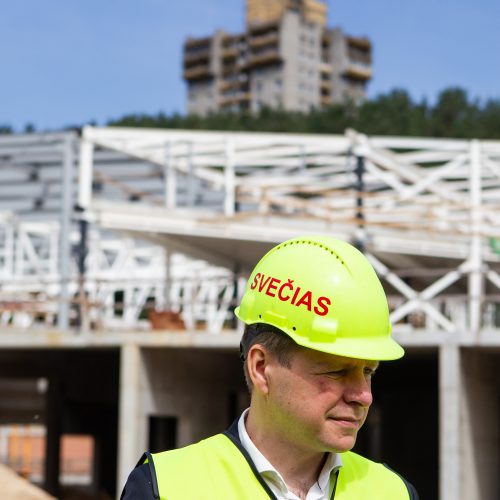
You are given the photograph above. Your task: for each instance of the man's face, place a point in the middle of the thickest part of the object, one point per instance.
(321, 401)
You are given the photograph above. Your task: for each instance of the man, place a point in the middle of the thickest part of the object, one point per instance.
(317, 326)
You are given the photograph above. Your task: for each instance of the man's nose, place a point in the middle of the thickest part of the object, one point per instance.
(358, 390)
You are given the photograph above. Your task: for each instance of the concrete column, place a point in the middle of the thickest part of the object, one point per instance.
(449, 422)
(480, 425)
(130, 446)
(53, 439)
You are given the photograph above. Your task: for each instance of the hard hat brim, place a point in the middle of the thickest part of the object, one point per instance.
(376, 349)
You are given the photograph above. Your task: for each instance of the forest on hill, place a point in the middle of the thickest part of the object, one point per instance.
(453, 114)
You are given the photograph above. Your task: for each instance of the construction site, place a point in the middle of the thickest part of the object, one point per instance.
(123, 253)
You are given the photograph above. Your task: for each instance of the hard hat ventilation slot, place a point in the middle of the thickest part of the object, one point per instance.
(312, 243)
(293, 328)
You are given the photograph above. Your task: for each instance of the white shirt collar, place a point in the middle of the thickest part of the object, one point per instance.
(269, 472)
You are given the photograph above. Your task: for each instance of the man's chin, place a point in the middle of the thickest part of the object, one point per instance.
(343, 449)
(341, 445)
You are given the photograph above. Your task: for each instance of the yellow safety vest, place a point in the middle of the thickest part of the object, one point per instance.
(216, 469)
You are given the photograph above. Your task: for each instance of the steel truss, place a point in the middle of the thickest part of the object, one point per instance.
(124, 279)
(425, 210)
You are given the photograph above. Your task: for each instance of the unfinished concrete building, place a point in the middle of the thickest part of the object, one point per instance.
(123, 253)
(287, 58)
(264, 11)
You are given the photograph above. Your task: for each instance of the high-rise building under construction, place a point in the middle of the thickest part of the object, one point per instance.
(287, 58)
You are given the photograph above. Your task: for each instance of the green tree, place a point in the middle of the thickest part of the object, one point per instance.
(489, 126)
(29, 128)
(453, 115)
(5, 129)
(393, 113)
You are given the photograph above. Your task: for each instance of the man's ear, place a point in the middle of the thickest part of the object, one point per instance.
(257, 361)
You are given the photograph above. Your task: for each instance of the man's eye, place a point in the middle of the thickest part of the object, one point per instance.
(336, 373)
(369, 372)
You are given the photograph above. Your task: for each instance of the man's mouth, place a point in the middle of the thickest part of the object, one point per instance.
(345, 421)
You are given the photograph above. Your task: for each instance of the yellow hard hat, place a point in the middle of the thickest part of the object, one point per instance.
(324, 294)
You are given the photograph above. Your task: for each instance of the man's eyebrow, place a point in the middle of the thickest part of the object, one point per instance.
(345, 364)
(335, 365)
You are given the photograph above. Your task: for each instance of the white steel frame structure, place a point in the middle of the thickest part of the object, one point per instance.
(177, 219)
(427, 212)
(31, 283)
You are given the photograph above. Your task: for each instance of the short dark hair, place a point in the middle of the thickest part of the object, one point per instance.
(274, 340)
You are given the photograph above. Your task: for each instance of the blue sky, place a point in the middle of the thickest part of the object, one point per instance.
(68, 62)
